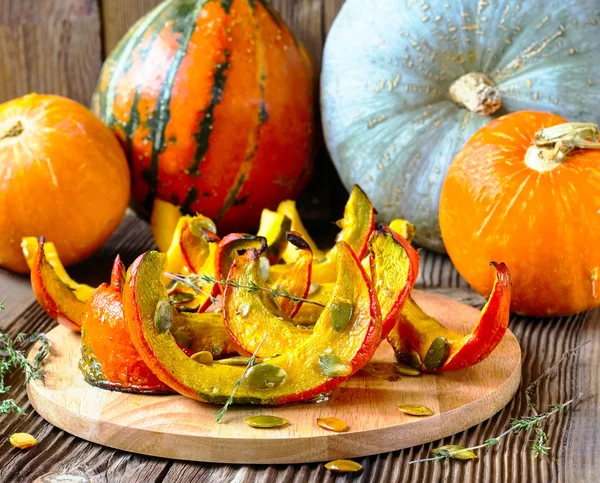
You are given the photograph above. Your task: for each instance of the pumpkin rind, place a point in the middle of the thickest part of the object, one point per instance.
(388, 121)
(207, 130)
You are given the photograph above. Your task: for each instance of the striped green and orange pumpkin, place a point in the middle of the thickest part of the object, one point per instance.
(213, 103)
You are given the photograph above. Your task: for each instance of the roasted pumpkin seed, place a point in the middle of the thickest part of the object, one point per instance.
(437, 354)
(265, 422)
(332, 424)
(455, 451)
(163, 316)
(237, 361)
(406, 370)
(343, 466)
(341, 313)
(415, 409)
(265, 376)
(333, 366)
(183, 336)
(199, 227)
(202, 357)
(181, 297)
(244, 309)
(314, 288)
(22, 440)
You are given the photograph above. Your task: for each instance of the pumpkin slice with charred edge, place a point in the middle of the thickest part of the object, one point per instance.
(52, 287)
(250, 314)
(394, 269)
(108, 358)
(415, 331)
(357, 225)
(288, 208)
(145, 304)
(297, 280)
(230, 247)
(273, 227)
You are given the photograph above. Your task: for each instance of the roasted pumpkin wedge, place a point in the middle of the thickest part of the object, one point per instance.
(273, 227)
(202, 332)
(394, 269)
(423, 342)
(403, 228)
(313, 367)
(296, 281)
(356, 228)
(250, 312)
(62, 298)
(288, 208)
(108, 358)
(190, 244)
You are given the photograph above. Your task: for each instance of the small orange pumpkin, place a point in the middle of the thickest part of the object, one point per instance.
(64, 176)
(525, 190)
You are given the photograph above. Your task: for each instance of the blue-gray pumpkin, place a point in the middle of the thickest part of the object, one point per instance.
(406, 83)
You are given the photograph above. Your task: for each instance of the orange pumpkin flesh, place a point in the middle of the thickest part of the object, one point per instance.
(415, 330)
(215, 382)
(65, 178)
(196, 86)
(109, 360)
(542, 224)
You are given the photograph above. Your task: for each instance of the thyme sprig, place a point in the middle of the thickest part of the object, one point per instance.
(239, 382)
(13, 357)
(251, 287)
(533, 422)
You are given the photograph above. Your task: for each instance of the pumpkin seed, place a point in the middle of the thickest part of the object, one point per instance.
(22, 440)
(163, 316)
(237, 361)
(181, 297)
(265, 376)
(333, 366)
(341, 313)
(314, 288)
(202, 357)
(244, 309)
(437, 353)
(343, 466)
(387, 292)
(266, 422)
(406, 370)
(411, 358)
(415, 409)
(454, 451)
(265, 268)
(184, 337)
(332, 424)
(198, 227)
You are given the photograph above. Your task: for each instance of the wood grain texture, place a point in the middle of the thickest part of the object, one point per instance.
(49, 47)
(180, 428)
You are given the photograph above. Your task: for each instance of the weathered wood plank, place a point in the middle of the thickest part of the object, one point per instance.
(118, 16)
(51, 47)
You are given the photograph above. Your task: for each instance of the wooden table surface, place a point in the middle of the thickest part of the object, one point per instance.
(573, 435)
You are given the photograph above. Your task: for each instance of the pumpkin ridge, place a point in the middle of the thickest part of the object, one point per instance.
(254, 137)
(202, 137)
(162, 114)
(226, 4)
(122, 52)
(190, 197)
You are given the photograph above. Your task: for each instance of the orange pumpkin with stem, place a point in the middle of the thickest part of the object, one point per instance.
(525, 189)
(64, 176)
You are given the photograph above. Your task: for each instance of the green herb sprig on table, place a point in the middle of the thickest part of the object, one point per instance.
(13, 357)
(533, 422)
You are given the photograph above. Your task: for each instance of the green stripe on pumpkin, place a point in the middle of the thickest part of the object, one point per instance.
(206, 124)
(226, 4)
(190, 197)
(123, 52)
(186, 13)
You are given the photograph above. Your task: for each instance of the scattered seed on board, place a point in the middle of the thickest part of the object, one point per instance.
(455, 451)
(415, 409)
(332, 424)
(343, 466)
(406, 370)
(202, 357)
(266, 422)
(22, 440)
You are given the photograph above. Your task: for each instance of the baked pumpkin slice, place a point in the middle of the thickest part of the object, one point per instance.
(108, 358)
(356, 228)
(315, 366)
(60, 296)
(421, 341)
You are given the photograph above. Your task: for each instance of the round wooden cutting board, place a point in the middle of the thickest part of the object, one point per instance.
(180, 428)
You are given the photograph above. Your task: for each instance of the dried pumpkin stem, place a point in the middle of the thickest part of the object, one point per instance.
(476, 92)
(553, 144)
